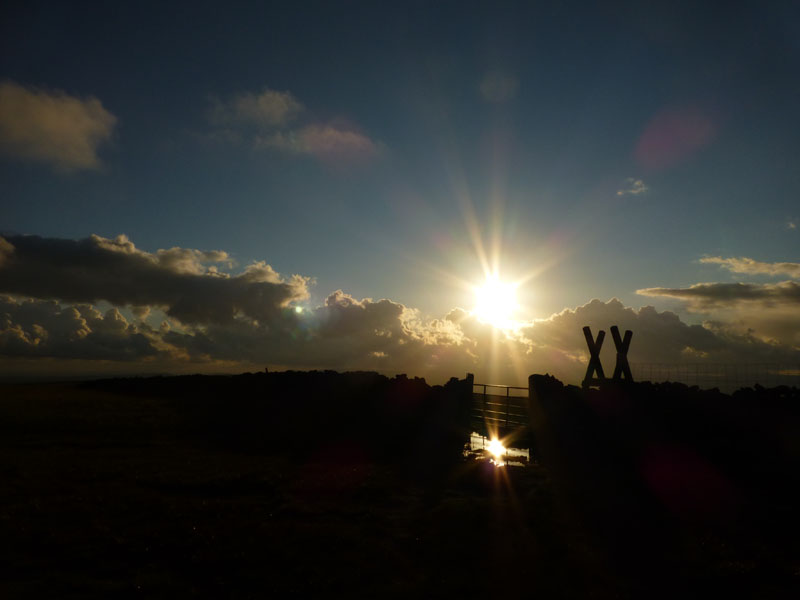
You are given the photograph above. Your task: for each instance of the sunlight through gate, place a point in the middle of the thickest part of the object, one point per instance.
(499, 409)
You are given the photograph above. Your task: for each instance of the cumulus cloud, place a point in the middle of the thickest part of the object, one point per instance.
(764, 311)
(498, 87)
(749, 266)
(249, 318)
(267, 121)
(41, 328)
(178, 279)
(633, 187)
(342, 333)
(658, 336)
(52, 126)
(761, 311)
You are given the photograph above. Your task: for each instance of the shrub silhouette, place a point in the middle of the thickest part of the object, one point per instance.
(399, 420)
(637, 463)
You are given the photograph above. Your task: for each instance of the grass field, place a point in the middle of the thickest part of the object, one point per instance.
(106, 494)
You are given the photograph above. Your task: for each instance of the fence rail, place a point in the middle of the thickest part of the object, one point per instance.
(725, 376)
(506, 406)
(503, 406)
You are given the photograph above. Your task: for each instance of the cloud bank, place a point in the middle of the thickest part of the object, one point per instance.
(181, 281)
(768, 311)
(52, 127)
(188, 307)
(707, 296)
(41, 328)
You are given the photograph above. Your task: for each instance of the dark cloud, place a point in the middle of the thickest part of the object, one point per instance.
(47, 329)
(342, 333)
(763, 311)
(706, 296)
(658, 336)
(177, 279)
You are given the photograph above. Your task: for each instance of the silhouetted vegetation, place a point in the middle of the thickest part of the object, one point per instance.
(390, 420)
(296, 484)
(654, 471)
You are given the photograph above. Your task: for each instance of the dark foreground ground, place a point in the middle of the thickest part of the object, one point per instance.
(111, 494)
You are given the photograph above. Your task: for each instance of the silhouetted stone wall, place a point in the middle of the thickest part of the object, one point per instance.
(398, 419)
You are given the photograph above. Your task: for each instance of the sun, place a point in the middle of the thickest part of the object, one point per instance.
(496, 448)
(495, 303)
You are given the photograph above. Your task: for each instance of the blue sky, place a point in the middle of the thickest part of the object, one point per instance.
(373, 146)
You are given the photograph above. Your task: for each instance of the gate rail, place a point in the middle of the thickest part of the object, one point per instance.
(500, 409)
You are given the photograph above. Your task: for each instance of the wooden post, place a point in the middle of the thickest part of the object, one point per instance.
(594, 357)
(622, 367)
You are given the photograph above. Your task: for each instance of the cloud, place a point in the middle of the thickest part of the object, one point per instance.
(659, 337)
(706, 296)
(498, 87)
(213, 317)
(346, 333)
(266, 121)
(52, 127)
(633, 187)
(40, 328)
(325, 142)
(767, 312)
(342, 333)
(177, 279)
(6, 250)
(753, 267)
(266, 110)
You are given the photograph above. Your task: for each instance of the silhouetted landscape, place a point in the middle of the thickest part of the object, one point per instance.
(325, 483)
(227, 228)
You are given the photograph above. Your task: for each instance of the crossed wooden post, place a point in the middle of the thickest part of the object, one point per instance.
(622, 367)
(594, 357)
(621, 370)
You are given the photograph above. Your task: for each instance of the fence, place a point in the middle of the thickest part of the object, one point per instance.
(725, 376)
